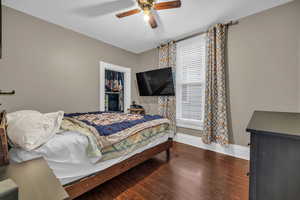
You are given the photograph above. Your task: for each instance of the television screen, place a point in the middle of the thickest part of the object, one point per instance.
(156, 82)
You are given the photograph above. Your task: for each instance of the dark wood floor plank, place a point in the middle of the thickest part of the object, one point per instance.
(191, 173)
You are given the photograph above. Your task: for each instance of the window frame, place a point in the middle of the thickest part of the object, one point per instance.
(183, 122)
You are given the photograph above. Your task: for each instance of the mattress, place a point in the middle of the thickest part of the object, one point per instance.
(66, 155)
(108, 163)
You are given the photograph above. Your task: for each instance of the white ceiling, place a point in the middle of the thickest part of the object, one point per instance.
(96, 18)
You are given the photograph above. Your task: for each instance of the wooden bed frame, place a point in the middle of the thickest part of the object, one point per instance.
(83, 185)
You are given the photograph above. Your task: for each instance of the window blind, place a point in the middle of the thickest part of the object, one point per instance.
(190, 80)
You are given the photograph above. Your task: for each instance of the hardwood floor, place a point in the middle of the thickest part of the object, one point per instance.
(191, 174)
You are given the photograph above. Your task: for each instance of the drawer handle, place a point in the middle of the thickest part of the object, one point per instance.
(248, 174)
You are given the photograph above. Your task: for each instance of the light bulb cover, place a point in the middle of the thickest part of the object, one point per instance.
(146, 18)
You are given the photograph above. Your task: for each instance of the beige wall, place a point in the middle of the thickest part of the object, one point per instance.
(298, 25)
(51, 67)
(263, 71)
(263, 66)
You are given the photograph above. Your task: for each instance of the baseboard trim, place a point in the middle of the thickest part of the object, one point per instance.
(234, 150)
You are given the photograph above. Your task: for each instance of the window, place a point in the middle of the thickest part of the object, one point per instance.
(190, 82)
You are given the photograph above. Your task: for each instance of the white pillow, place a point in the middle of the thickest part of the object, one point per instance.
(30, 129)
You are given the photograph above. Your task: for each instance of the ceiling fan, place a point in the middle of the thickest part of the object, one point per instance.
(147, 7)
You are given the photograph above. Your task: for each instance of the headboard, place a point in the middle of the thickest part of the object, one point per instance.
(3, 140)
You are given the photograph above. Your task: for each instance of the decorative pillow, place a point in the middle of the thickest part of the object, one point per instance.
(30, 129)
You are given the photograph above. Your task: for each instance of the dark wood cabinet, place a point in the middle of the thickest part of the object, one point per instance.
(274, 156)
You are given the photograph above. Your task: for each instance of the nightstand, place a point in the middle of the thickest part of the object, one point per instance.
(140, 111)
(35, 180)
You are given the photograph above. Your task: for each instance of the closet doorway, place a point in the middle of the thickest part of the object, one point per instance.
(115, 87)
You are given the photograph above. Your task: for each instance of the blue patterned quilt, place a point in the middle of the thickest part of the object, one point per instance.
(108, 123)
(104, 129)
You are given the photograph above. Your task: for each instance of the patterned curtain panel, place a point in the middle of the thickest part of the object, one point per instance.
(215, 119)
(167, 105)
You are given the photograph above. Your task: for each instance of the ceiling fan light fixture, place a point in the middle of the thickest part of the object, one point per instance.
(148, 6)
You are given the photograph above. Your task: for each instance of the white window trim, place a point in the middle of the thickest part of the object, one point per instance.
(191, 124)
(127, 83)
(188, 123)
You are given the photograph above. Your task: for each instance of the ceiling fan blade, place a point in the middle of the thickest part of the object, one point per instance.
(167, 5)
(152, 21)
(128, 13)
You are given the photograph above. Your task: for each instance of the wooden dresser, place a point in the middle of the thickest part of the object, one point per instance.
(274, 156)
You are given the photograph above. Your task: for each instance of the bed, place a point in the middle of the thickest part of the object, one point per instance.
(66, 151)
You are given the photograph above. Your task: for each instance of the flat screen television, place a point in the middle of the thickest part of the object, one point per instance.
(156, 82)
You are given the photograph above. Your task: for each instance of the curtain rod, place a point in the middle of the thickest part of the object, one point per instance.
(231, 23)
